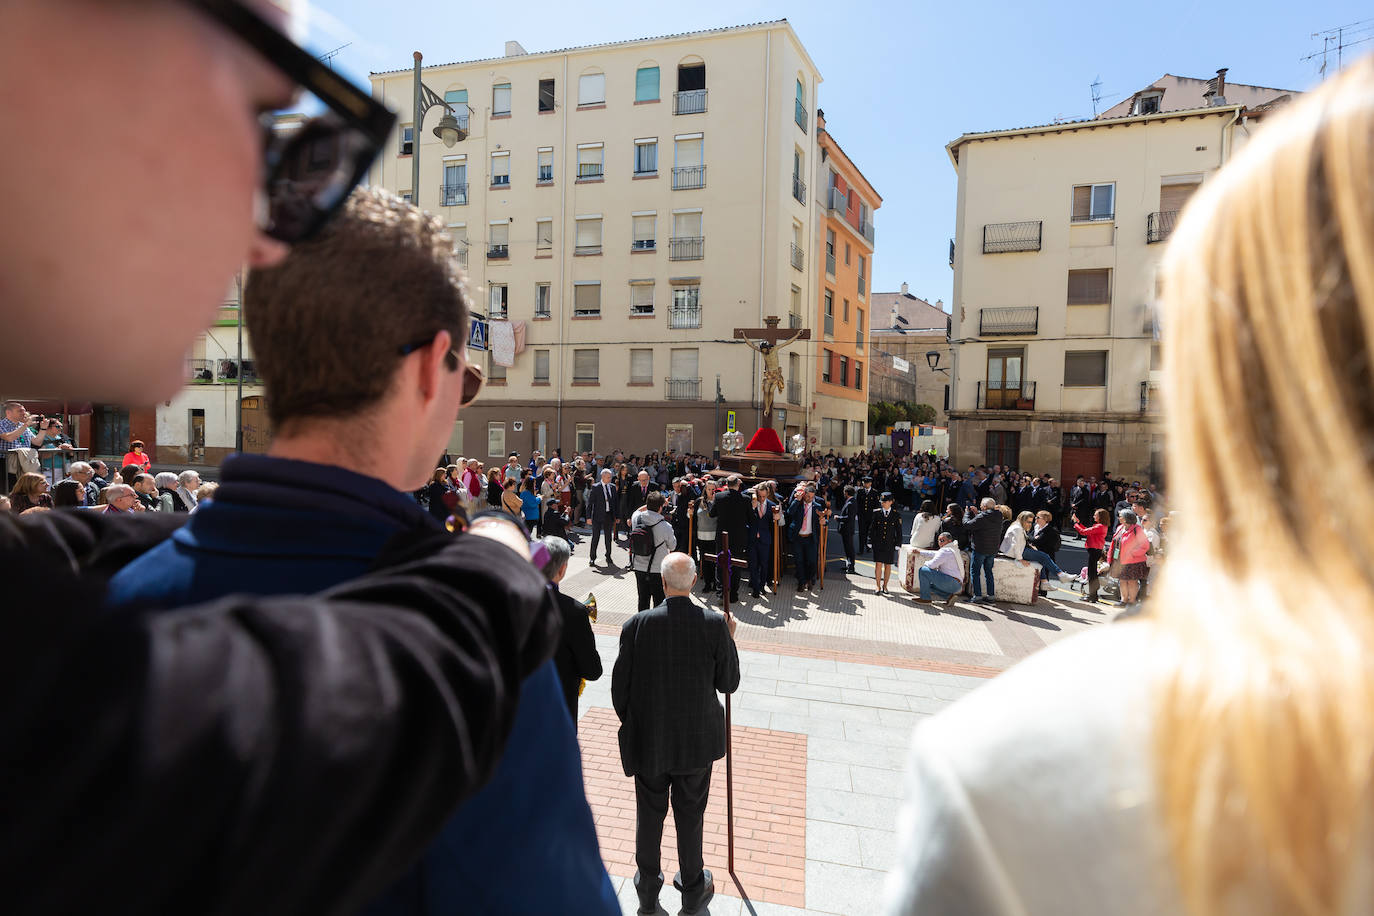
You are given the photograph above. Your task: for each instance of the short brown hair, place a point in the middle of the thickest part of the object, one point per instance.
(328, 323)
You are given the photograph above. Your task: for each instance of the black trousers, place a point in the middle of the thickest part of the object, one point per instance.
(848, 539)
(688, 791)
(706, 567)
(1094, 557)
(603, 527)
(650, 587)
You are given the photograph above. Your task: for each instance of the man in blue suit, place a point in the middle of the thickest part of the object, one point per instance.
(602, 498)
(805, 516)
(763, 515)
(352, 437)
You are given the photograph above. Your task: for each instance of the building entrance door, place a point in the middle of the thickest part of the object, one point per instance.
(1082, 457)
(195, 451)
(257, 429)
(541, 436)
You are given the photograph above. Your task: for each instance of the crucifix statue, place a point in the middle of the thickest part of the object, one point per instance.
(768, 341)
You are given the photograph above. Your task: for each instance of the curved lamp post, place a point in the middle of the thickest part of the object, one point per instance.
(450, 130)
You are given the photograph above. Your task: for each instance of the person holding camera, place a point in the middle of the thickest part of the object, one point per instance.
(137, 457)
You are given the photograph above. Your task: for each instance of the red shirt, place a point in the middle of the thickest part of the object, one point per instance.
(1094, 538)
(138, 458)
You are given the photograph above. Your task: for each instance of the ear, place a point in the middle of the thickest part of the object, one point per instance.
(432, 365)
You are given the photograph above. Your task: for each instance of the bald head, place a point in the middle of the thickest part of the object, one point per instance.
(679, 574)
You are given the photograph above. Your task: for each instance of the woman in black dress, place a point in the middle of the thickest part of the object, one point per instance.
(884, 533)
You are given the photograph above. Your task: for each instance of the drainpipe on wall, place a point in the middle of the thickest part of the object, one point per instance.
(562, 266)
(763, 221)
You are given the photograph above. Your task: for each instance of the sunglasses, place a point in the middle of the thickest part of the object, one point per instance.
(473, 379)
(309, 171)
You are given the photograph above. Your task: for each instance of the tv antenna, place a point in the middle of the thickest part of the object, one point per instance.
(1337, 37)
(328, 56)
(1096, 87)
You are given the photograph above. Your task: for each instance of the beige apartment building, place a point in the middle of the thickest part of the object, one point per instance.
(631, 203)
(1060, 230)
(906, 330)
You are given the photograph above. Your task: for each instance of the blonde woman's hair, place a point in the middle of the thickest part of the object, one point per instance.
(1264, 701)
(1024, 517)
(1005, 510)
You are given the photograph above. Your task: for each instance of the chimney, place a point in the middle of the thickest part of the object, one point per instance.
(904, 290)
(514, 49)
(1216, 89)
(820, 119)
(940, 304)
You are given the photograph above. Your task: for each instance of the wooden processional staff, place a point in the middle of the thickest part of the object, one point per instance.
(727, 565)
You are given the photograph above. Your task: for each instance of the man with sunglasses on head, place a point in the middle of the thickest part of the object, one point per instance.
(254, 754)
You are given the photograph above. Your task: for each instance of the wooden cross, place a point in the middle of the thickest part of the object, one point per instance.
(768, 341)
(727, 570)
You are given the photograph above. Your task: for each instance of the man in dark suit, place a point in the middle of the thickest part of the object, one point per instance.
(682, 496)
(763, 516)
(731, 512)
(673, 659)
(639, 491)
(805, 516)
(1080, 502)
(847, 525)
(865, 501)
(576, 657)
(602, 501)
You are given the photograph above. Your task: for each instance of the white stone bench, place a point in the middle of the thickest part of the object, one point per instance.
(1015, 583)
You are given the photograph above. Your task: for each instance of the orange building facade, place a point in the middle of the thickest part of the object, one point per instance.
(844, 265)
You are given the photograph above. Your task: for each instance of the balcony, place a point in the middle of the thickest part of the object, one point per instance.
(801, 115)
(830, 263)
(686, 249)
(691, 101)
(798, 256)
(863, 285)
(545, 174)
(793, 320)
(1160, 225)
(682, 389)
(644, 245)
(641, 310)
(999, 238)
(684, 315)
(794, 392)
(453, 195)
(1007, 322)
(200, 371)
(498, 252)
(799, 189)
(1003, 398)
(1149, 398)
(829, 326)
(499, 312)
(836, 201)
(951, 254)
(590, 171)
(500, 181)
(689, 177)
(866, 230)
(229, 371)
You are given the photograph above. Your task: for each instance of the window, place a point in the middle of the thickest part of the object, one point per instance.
(496, 440)
(590, 158)
(586, 368)
(686, 308)
(586, 437)
(832, 431)
(684, 365)
(588, 235)
(455, 184)
(458, 101)
(688, 151)
(641, 297)
(459, 232)
(545, 95)
(407, 139)
(646, 84)
(591, 89)
(830, 252)
(1004, 448)
(826, 365)
(794, 309)
(641, 367)
(643, 232)
(801, 105)
(500, 100)
(1175, 192)
(858, 376)
(500, 301)
(407, 197)
(455, 439)
(863, 277)
(846, 254)
(500, 169)
(587, 301)
(859, 330)
(856, 432)
(543, 236)
(844, 371)
(1090, 287)
(498, 240)
(1147, 103)
(687, 243)
(541, 367)
(846, 310)
(646, 156)
(1004, 377)
(496, 374)
(1094, 202)
(545, 173)
(1156, 358)
(1085, 369)
(691, 77)
(829, 314)
(542, 308)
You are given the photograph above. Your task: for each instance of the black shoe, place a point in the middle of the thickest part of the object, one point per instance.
(648, 894)
(698, 901)
(755, 595)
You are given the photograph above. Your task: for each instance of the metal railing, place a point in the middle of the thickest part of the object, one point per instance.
(1022, 397)
(497, 252)
(859, 341)
(590, 170)
(1009, 321)
(1160, 225)
(799, 189)
(498, 181)
(587, 311)
(542, 311)
(228, 370)
(951, 253)
(200, 371)
(830, 263)
(499, 312)
(462, 255)
(644, 244)
(587, 249)
(863, 285)
(644, 308)
(688, 177)
(453, 195)
(866, 230)
(801, 115)
(682, 389)
(684, 316)
(798, 256)
(794, 392)
(835, 200)
(687, 249)
(545, 173)
(689, 101)
(999, 238)
(793, 320)
(829, 325)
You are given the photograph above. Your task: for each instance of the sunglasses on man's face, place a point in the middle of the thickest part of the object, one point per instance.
(309, 171)
(473, 378)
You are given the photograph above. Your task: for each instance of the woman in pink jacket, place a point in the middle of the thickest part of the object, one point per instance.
(1130, 546)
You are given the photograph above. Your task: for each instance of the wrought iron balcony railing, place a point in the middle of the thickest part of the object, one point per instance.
(453, 195)
(200, 371)
(682, 389)
(682, 315)
(801, 115)
(687, 249)
(545, 173)
(830, 263)
(644, 244)
(793, 320)
(798, 256)
(863, 285)
(500, 181)
(689, 101)
(829, 325)
(590, 170)
(996, 322)
(1002, 397)
(799, 189)
(1003, 237)
(951, 253)
(229, 370)
(689, 177)
(498, 252)
(1160, 225)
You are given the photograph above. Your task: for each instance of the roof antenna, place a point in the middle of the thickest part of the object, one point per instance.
(1096, 86)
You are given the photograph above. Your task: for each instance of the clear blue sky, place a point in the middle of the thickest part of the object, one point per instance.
(901, 79)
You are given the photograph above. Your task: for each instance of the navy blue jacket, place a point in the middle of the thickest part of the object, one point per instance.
(761, 528)
(278, 527)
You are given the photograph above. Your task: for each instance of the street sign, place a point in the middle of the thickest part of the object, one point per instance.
(477, 334)
(900, 364)
(729, 421)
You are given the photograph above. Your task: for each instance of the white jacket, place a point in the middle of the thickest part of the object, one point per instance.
(1014, 541)
(924, 529)
(665, 541)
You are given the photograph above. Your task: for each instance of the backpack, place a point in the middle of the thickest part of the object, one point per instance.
(642, 542)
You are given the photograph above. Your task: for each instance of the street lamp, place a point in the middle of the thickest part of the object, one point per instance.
(933, 360)
(450, 129)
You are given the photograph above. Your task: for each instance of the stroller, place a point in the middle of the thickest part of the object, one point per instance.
(1107, 587)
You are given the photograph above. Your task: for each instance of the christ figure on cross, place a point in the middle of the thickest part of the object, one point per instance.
(768, 341)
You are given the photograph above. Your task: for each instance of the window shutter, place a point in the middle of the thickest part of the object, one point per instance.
(642, 366)
(588, 233)
(646, 84)
(643, 228)
(689, 153)
(1090, 287)
(591, 89)
(683, 364)
(586, 365)
(544, 233)
(500, 234)
(1175, 196)
(458, 98)
(687, 225)
(1085, 369)
(1082, 202)
(500, 98)
(541, 365)
(642, 298)
(587, 298)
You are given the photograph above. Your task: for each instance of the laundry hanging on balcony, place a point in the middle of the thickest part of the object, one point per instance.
(507, 341)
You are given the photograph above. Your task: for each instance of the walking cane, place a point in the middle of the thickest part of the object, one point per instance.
(727, 564)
